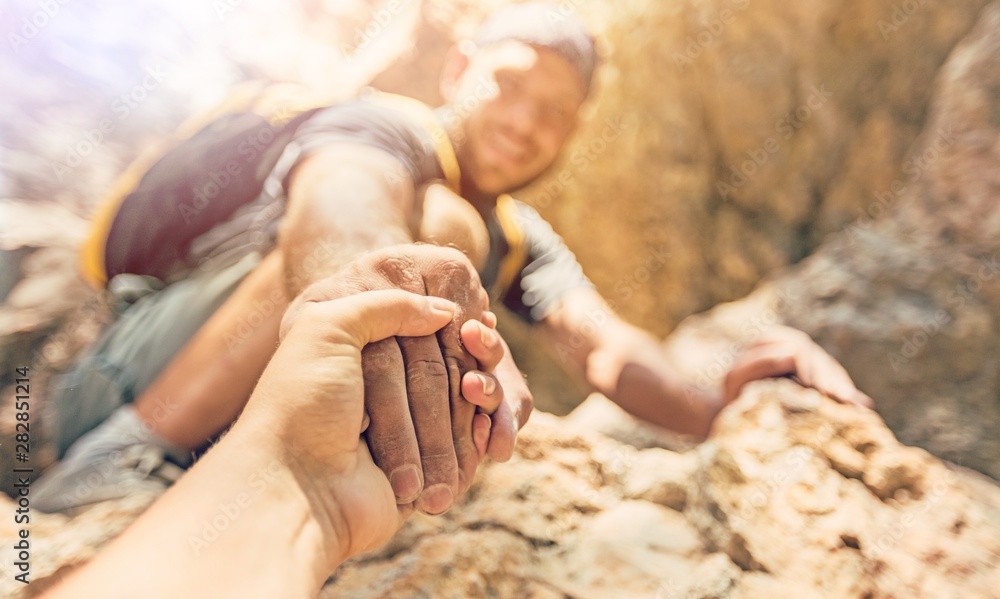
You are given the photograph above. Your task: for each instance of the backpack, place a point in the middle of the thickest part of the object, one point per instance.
(180, 190)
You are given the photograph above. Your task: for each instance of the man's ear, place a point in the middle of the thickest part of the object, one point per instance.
(455, 64)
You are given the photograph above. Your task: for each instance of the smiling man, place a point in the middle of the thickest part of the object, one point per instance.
(356, 189)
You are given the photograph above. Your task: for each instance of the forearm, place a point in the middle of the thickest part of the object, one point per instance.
(634, 372)
(238, 524)
(628, 365)
(342, 205)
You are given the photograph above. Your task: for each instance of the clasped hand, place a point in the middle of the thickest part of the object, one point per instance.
(429, 396)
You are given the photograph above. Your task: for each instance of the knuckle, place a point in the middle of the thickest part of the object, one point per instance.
(778, 363)
(439, 467)
(378, 358)
(427, 375)
(446, 255)
(399, 270)
(389, 451)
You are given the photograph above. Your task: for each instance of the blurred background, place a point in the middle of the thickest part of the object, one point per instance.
(727, 142)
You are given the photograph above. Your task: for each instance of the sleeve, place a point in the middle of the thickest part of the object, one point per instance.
(366, 123)
(550, 272)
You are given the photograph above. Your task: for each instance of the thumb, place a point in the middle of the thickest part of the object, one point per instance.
(375, 315)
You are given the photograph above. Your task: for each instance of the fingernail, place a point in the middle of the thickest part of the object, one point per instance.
(405, 483)
(488, 337)
(489, 385)
(441, 304)
(481, 434)
(436, 500)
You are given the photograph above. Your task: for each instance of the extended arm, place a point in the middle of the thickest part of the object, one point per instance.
(629, 366)
(349, 201)
(343, 201)
(626, 364)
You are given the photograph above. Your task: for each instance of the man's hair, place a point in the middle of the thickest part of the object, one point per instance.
(545, 25)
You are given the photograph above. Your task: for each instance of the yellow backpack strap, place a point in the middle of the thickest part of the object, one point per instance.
(517, 255)
(422, 114)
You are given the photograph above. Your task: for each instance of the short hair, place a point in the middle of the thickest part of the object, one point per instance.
(545, 25)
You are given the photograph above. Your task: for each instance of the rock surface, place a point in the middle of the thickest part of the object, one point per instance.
(908, 302)
(793, 496)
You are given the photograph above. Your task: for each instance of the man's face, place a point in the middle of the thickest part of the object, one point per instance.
(517, 105)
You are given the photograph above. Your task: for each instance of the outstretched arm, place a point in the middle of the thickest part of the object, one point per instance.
(626, 364)
(629, 366)
(349, 201)
(343, 201)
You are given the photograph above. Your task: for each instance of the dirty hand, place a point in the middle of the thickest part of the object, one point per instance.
(427, 396)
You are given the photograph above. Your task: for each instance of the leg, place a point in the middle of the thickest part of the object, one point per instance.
(136, 348)
(204, 388)
(191, 353)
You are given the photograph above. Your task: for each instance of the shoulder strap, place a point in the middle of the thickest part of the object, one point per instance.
(423, 115)
(517, 255)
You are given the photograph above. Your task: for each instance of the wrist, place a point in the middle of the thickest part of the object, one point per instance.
(299, 493)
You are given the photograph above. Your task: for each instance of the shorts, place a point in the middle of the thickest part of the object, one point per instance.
(136, 347)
